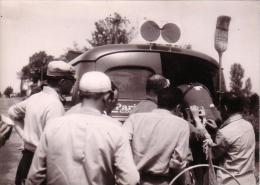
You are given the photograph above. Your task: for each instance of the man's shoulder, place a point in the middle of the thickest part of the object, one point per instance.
(178, 120)
(45, 99)
(140, 115)
(41, 94)
(90, 118)
(157, 115)
(54, 124)
(112, 121)
(144, 106)
(241, 124)
(74, 109)
(61, 121)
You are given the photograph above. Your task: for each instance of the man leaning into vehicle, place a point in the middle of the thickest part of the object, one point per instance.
(159, 140)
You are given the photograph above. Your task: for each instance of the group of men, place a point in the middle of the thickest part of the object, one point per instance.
(86, 146)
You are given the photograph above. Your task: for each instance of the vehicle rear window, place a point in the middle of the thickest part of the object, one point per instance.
(131, 82)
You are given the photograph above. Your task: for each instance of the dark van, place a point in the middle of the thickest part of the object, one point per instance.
(129, 66)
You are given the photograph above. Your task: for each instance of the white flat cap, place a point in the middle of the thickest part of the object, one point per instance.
(95, 82)
(60, 68)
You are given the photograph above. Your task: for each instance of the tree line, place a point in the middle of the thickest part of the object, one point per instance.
(114, 29)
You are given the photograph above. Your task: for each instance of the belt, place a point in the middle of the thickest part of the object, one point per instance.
(155, 177)
(28, 152)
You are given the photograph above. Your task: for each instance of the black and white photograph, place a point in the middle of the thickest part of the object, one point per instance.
(129, 92)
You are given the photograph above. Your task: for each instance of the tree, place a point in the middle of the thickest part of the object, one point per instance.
(72, 53)
(236, 76)
(254, 103)
(112, 30)
(36, 69)
(248, 87)
(251, 100)
(38, 65)
(8, 91)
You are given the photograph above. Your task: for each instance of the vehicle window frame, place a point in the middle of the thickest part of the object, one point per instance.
(132, 68)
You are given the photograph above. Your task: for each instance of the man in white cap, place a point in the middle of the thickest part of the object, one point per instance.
(85, 146)
(32, 114)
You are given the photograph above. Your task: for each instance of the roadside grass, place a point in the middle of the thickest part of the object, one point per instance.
(9, 154)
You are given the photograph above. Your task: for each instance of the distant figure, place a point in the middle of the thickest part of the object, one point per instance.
(31, 115)
(154, 85)
(85, 147)
(159, 140)
(235, 143)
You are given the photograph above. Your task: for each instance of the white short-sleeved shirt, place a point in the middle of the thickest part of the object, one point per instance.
(35, 111)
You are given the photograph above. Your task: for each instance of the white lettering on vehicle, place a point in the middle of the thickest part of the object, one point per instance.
(123, 108)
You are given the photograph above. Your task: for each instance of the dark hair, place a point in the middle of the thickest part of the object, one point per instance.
(156, 83)
(53, 81)
(233, 101)
(169, 98)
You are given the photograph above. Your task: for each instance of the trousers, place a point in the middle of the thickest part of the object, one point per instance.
(23, 167)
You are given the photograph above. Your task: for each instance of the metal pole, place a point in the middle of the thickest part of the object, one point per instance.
(220, 76)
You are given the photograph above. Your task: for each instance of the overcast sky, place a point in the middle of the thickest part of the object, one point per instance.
(27, 27)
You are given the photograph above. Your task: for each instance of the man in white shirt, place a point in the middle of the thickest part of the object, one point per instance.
(235, 143)
(85, 147)
(159, 140)
(32, 114)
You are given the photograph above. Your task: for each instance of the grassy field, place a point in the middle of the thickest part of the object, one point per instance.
(10, 153)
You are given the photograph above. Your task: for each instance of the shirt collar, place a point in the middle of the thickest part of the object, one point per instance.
(231, 119)
(153, 99)
(161, 111)
(50, 90)
(84, 110)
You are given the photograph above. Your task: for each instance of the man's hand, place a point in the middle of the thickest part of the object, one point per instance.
(206, 144)
(6, 125)
(4, 129)
(199, 115)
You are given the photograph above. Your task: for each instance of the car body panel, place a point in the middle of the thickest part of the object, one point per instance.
(130, 65)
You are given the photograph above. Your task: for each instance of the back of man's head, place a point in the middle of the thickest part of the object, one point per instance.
(57, 70)
(169, 98)
(233, 102)
(94, 84)
(156, 83)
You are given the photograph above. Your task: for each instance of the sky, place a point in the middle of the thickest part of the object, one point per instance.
(27, 27)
